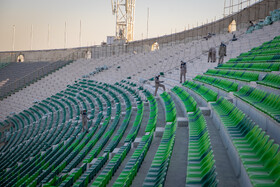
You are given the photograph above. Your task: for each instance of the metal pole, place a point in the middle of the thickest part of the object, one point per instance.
(48, 35)
(148, 12)
(229, 7)
(225, 8)
(238, 5)
(31, 37)
(232, 6)
(65, 35)
(80, 37)
(14, 35)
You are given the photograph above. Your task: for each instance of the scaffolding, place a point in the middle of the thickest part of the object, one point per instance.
(234, 6)
(124, 10)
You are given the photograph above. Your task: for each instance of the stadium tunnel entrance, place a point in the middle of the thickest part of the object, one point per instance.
(88, 54)
(20, 58)
(155, 47)
(232, 26)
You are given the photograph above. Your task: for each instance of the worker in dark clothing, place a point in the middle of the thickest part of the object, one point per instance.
(183, 71)
(212, 54)
(222, 52)
(158, 84)
(84, 120)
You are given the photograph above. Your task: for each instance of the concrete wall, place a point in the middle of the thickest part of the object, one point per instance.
(253, 13)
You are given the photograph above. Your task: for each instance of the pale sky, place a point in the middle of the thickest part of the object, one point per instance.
(97, 20)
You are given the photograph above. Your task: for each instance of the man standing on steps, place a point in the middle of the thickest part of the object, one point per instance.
(183, 71)
(158, 84)
(222, 53)
(84, 120)
(212, 54)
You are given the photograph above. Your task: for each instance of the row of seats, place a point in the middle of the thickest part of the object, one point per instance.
(238, 75)
(107, 135)
(139, 114)
(259, 155)
(131, 168)
(201, 163)
(170, 109)
(189, 102)
(268, 45)
(158, 169)
(267, 67)
(270, 80)
(69, 180)
(75, 160)
(146, 140)
(107, 173)
(151, 125)
(222, 84)
(267, 52)
(262, 51)
(256, 59)
(253, 146)
(206, 93)
(58, 134)
(119, 134)
(89, 174)
(105, 176)
(264, 58)
(268, 103)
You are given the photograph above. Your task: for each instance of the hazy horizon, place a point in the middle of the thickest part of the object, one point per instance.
(96, 19)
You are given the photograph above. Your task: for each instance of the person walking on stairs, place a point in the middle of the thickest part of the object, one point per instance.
(84, 120)
(222, 53)
(183, 71)
(158, 84)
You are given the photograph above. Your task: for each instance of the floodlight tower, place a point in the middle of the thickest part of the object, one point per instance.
(125, 12)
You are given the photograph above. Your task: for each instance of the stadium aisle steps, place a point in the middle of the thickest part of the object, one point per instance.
(109, 170)
(201, 163)
(125, 160)
(158, 169)
(131, 167)
(176, 173)
(197, 172)
(224, 168)
(159, 116)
